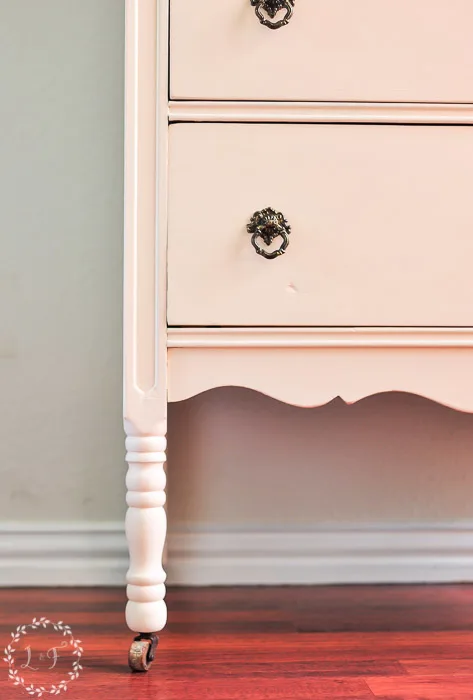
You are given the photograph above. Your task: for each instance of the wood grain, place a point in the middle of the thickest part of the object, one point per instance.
(363, 642)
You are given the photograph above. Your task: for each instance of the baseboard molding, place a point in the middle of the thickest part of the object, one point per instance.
(95, 554)
(348, 555)
(62, 554)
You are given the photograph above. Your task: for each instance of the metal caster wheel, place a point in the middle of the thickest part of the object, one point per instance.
(142, 652)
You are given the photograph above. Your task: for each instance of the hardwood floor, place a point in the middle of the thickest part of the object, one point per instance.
(363, 643)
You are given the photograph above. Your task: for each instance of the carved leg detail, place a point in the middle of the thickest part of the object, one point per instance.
(146, 533)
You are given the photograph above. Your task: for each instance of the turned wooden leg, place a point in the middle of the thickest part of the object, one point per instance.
(146, 533)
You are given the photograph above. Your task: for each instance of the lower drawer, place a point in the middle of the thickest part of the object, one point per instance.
(381, 225)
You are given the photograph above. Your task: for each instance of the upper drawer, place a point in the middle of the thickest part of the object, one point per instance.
(381, 218)
(367, 50)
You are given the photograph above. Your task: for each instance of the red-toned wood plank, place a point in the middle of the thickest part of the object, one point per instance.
(341, 646)
(387, 608)
(438, 667)
(423, 688)
(391, 643)
(274, 689)
(277, 668)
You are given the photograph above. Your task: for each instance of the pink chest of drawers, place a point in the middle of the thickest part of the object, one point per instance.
(298, 220)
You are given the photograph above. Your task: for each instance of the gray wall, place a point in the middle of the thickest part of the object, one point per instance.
(237, 459)
(61, 223)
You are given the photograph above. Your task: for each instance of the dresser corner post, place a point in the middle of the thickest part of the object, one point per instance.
(146, 612)
(145, 329)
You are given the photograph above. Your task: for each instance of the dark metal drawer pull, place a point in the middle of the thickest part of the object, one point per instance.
(272, 8)
(266, 225)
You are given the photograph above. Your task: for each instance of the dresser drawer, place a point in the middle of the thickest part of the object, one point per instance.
(381, 224)
(369, 50)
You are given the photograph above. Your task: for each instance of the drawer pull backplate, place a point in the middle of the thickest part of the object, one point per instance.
(267, 225)
(272, 8)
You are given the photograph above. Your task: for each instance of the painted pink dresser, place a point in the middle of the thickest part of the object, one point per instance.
(299, 220)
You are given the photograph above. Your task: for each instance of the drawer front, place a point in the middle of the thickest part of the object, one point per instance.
(369, 50)
(381, 224)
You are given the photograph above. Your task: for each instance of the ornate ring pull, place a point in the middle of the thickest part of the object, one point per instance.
(266, 225)
(272, 8)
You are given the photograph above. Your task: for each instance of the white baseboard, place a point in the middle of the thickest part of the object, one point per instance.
(62, 554)
(370, 554)
(95, 554)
